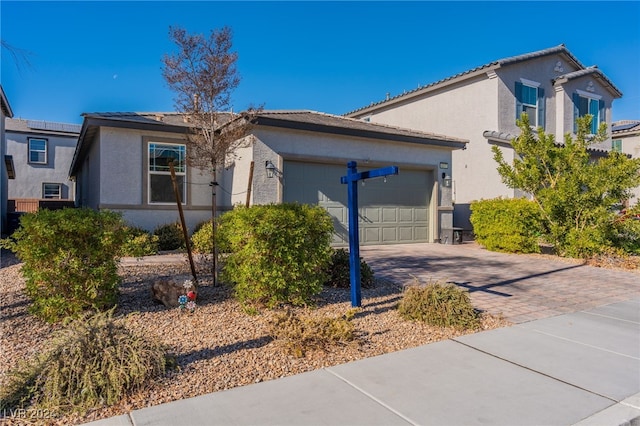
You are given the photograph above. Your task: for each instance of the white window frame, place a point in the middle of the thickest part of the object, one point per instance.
(40, 152)
(163, 170)
(533, 118)
(57, 196)
(616, 145)
(592, 97)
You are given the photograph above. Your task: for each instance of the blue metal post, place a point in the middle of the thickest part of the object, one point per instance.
(351, 179)
(354, 237)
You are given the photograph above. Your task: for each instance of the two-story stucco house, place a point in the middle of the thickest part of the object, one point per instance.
(41, 152)
(481, 105)
(6, 163)
(121, 161)
(625, 136)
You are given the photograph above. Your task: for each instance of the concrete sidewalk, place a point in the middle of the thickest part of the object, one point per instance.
(579, 368)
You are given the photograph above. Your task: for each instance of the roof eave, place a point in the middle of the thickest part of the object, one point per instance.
(422, 90)
(6, 108)
(92, 122)
(370, 134)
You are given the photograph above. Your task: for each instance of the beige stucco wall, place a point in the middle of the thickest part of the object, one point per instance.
(631, 146)
(486, 102)
(464, 111)
(121, 154)
(277, 145)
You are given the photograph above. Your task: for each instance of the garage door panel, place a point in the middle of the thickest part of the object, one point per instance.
(390, 215)
(391, 212)
(405, 233)
(389, 235)
(406, 215)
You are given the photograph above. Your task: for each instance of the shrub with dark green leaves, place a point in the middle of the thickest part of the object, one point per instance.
(340, 271)
(139, 242)
(511, 225)
(93, 361)
(276, 253)
(70, 260)
(170, 236)
(443, 305)
(201, 240)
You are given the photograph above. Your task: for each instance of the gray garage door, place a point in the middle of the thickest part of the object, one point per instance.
(390, 212)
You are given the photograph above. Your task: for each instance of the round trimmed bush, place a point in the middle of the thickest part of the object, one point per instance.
(277, 253)
(170, 236)
(340, 271)
(70, 260)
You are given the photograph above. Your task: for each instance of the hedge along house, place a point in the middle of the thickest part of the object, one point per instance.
(304, 152)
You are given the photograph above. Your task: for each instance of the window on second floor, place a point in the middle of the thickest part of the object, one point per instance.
(52, 190)
(37, 151)
(616, 145)
(160, 187)
(530, 99)
(585, 103)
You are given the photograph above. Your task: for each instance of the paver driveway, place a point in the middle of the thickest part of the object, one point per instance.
(520, 287)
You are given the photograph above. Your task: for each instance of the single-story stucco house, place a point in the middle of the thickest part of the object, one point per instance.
(120, 164)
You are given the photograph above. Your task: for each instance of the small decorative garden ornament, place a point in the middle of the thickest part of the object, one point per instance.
(187, 301)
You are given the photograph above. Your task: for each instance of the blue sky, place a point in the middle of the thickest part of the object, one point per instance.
(334, 57)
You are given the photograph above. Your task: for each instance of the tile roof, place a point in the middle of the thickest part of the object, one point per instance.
(336, 124)
(298, 119)
(41, 127)
(507, 138)
(625, 126)
(561, 49)
(592, 70)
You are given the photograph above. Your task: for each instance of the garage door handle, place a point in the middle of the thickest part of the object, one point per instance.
(365, 219)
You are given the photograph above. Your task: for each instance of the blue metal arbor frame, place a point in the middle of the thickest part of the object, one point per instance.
(351, 179)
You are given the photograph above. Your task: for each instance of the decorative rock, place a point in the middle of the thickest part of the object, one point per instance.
(167, 292)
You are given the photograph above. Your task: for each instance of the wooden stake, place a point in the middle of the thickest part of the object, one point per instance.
(249, 185)
(185, 232)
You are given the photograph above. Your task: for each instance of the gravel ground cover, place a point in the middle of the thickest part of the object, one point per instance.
(218, 346)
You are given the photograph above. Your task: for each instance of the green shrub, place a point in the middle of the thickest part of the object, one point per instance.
(201, 240)
(70, 260)
(276, 253)
(510, 225)
(625, 232)
(340, 271)
(298, 335)
(443, 305)
(170, 236)
(92, 362)
(139, 243)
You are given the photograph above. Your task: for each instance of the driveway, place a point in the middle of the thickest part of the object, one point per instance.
(520, 287)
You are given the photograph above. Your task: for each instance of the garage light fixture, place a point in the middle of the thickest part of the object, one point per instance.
(271, 169)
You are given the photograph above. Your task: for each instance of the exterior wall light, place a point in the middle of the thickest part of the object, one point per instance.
(271, 169)
(446, 182)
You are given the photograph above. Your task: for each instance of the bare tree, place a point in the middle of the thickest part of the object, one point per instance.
(203, 75)
(20, 56)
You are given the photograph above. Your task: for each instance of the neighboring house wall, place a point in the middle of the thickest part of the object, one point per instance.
(480, 105)
(626, 137)
(41, 175)
(5, 113)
